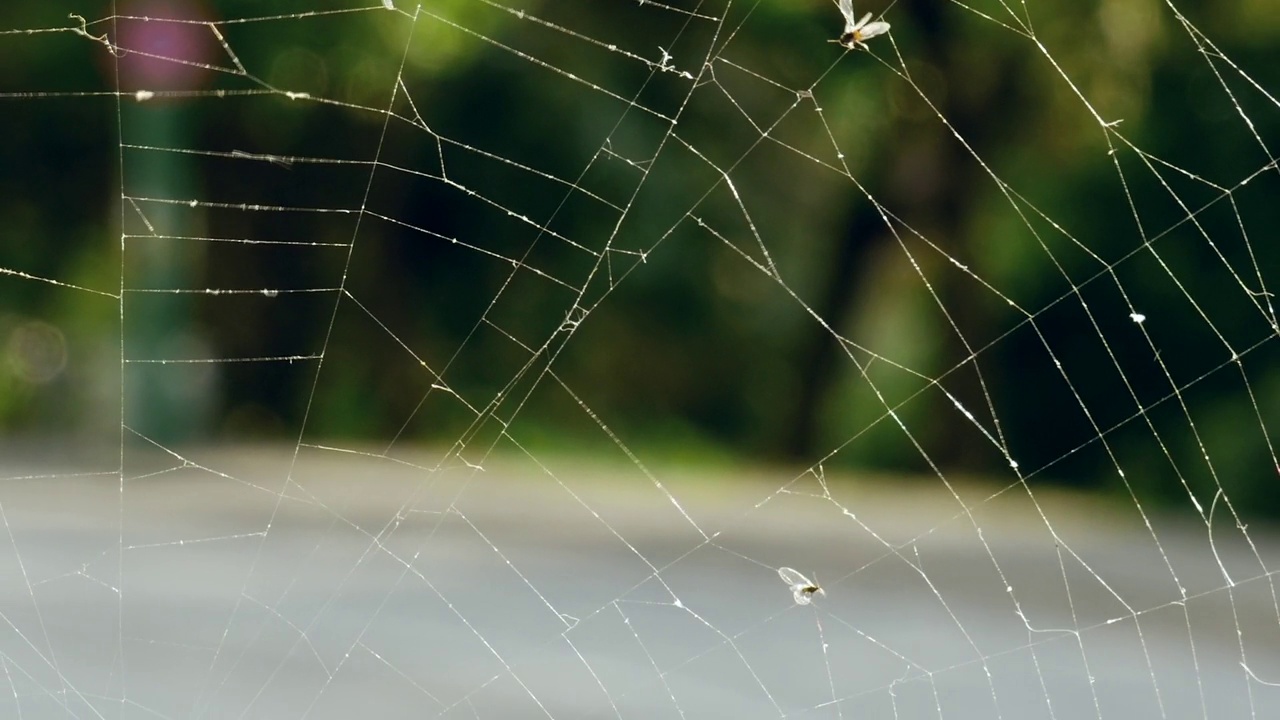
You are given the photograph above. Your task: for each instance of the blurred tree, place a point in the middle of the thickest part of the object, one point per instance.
(691, 338)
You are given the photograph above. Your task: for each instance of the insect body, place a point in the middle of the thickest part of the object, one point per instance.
(858, 32)
(802, 589)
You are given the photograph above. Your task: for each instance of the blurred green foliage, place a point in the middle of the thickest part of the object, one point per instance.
(996, 269)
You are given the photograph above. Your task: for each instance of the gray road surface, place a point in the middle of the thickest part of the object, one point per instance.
(212, 585)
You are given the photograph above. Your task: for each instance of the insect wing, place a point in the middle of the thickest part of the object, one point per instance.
(846, 9)
(870, 30)
(793, 577)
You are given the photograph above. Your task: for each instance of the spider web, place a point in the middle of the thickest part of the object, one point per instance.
(353, 569)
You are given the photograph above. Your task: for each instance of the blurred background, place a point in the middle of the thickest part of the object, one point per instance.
(535, 240)
(489, 359)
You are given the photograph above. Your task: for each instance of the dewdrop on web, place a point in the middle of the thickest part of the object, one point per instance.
(802, 589)
(858, 32)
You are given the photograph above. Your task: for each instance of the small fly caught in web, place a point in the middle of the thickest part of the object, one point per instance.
(802, 588)
(858, 32)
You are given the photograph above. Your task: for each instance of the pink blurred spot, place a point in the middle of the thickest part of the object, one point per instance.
(160, 54)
